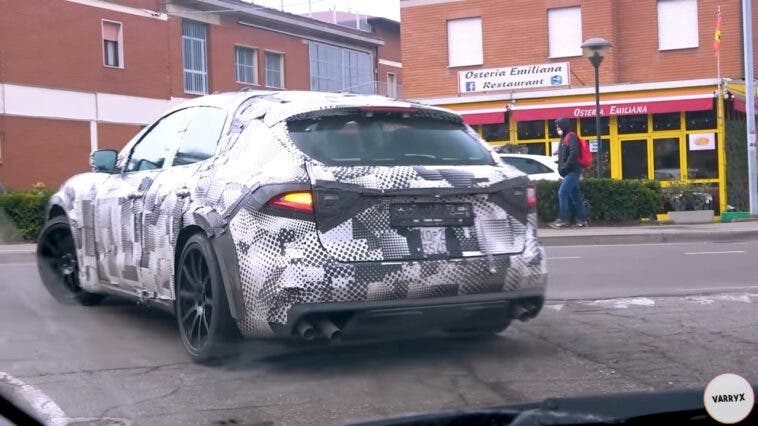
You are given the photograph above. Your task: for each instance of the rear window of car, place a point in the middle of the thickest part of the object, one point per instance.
(526, 165)
(385, 140)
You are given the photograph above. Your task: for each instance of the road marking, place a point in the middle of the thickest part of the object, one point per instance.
(564, 257)
(715, 252)
(43, 406)
(623, 303)
(17, 251)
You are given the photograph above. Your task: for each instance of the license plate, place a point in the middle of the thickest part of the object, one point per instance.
(433, 240)
(431, 214)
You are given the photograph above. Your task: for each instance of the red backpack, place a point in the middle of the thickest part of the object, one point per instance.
(585, 156)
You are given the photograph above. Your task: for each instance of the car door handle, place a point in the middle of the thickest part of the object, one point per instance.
(183, 192)
(135, 195)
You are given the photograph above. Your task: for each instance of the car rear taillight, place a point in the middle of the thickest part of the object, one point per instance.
(301, 201)
(531, 196)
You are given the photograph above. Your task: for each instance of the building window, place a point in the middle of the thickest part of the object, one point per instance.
(589, 126)
(464, 42)
(565, 32)
(391, 85)
(702, 160)
(628, 124)
(338, 69)
(666, 159)
(531, 129)
(677, 24)
(246, 64)
(495, 132)
(699, 120)
(274, 68)
(194, 55)
(113, 54)
(667, 121)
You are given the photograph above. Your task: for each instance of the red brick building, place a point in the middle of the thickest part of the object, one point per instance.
(513, 67)
(78, 75)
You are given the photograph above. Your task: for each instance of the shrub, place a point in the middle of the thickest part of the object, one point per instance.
(25, 210)
(607, 200)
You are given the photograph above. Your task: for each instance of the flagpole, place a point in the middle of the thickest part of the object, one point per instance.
(718, 52)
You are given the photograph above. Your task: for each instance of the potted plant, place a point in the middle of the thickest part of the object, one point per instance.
(688, 204)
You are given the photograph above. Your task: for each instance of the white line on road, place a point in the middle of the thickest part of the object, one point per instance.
(564, 257)
(42, 405)
(17, 251)
(715, 252)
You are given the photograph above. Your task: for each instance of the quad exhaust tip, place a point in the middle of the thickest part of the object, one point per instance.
(323, 326)
(524, 312)
(329, 329)
(305, 330)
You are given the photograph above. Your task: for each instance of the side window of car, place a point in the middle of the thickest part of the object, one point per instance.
(535, 167)
(151, 151)
(527, 165)
(201, 137)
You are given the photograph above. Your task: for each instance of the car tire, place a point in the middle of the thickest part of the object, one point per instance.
(58, 266)
(207, 336)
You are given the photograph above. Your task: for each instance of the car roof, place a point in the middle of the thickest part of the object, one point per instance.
(532, 156)
(285, 104)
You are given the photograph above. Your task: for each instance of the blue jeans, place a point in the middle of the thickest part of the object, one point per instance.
(568, 194)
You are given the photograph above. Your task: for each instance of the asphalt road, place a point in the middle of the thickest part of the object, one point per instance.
(621, 318)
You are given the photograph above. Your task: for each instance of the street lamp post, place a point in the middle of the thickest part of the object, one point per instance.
(595, 49)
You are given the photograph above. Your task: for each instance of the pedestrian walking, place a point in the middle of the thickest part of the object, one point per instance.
(570, 168)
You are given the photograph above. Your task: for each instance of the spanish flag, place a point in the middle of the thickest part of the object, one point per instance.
(717, 34)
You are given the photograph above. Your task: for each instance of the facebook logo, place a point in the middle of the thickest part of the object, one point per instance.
(470, 86)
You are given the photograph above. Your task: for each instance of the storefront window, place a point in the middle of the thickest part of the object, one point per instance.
(666, 159)
(632, 124)
(667, 121)
(553, 130)
(702, 156)
(634, 159)
(495, 132)
(698, 120)
(605, 156)
(531, 129)
(588, 126)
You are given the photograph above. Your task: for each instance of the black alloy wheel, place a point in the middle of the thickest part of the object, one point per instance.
(206, 327)
(58, 266)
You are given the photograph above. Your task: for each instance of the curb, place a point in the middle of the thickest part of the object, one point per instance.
(18, 253)
(649, 238)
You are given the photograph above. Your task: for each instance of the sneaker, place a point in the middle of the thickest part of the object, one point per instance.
(558, 224)
(582, 224)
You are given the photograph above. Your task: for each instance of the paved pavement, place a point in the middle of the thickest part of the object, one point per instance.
(125, 362)
(724, 232)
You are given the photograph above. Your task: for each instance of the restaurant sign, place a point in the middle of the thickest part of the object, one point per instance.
(514, 78)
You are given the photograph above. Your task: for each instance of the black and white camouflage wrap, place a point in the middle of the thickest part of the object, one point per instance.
(126, 225)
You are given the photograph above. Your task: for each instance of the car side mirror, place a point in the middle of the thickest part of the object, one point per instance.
(104, 160)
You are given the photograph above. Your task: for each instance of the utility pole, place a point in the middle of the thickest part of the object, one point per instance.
(747, 41)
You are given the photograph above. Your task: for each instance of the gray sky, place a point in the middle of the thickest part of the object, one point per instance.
(386, 8)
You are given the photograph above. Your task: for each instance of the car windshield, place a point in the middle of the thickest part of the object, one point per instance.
(386, 140)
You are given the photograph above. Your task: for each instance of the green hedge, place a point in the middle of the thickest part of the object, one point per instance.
(608, 200)
(22, 213)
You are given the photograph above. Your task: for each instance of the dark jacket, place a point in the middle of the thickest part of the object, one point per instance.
(568, 149)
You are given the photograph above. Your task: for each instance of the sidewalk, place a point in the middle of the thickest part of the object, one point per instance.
(646, 234)
(640, 234)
